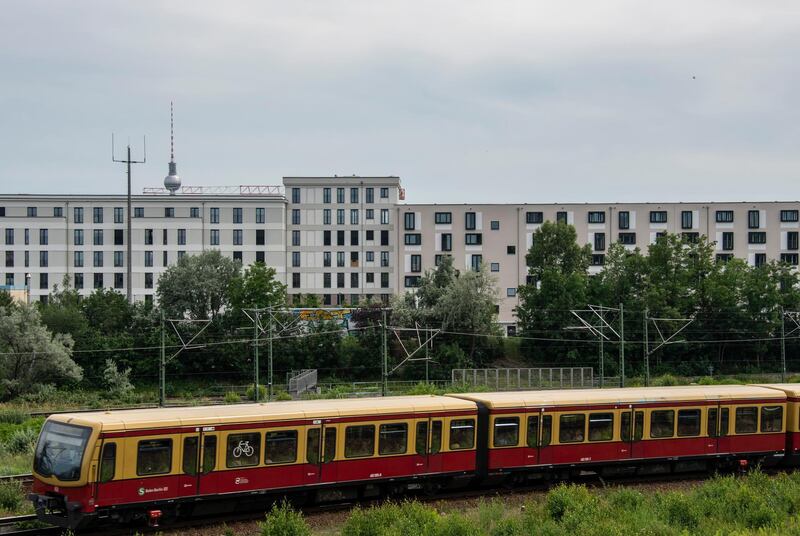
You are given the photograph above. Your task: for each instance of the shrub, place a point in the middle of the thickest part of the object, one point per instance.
(22, 441)
(282, 520)
(666, 380)
(118, 382)
(282, 396)
(13, 416)
(679, 509)
(11, 494)
(262, 393)
(570, 500)
(232, 397)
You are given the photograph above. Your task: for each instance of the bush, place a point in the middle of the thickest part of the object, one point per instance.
(262, 393)
(22, 441)
(118, 382)
(13, 416)
(232, 397)
(566, 501)
(11, 494)
(282, 520)
(666, 380)
(282, 396)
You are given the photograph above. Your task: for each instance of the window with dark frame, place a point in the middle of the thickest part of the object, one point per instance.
(624, 219)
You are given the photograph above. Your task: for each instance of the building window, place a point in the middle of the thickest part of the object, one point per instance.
(353, 216)
(353, 238)
(326, 238)
(353, 279)
(447, 242)
(533, 217)
(384, 238)
(409, 221)
(77, 215)
(194, 212)
(624, 220)
(237, 237)
(148, 237)
(413, 239)
(164, 235)
(475, 262)
(511, 292)
(340, 280)
(340, 195)
(260, 237)
(43, 238)
(326, 258)
(370, 277)
(98, 280)
(629, 239)
(97, 237)
(10, 261)
(214, 237)
(260, 257)
(295, 195)
(148, 259)
(789, 258)
(494, 225)
(119, 280)
(384, 193)
(384, 216)
(416, 263)
(77, 237)
(43, 259)
(792, 241)
(32, 213)
(724, 216)
(182, 236)
(138, 212)
(370, 214)
(148, 280)
(340, 216)
(164, 259)
(78, 281)
(118, 215)
(237, 256)
(789, 215)
(411, 281)
(296, 238)
(237, 215)
(326, 216)
(326, 280)
(470, 221)
(494, 267)
(78, 259)
(443, 218)
(686, 219)
(326, 195)
(213, 215)
(599, 241)
(295, 259)
(169, 212)
(43, 284)
(260, 215)
(370, 195)
(295, 280)
(98, 259)
(598, 259)
(9, 237)
(370, 256)
(658, 216)
(119, 259)
(27, 236)
(727, 241)
(760, 260)
(384, 259)
(511, 250)
(753, 219)
(473, 239)
(370, 235)
(757, 237)
(119, 237)
(340, 259)
(97, 215)
(692, 238)
(596, 217)
(354, 195)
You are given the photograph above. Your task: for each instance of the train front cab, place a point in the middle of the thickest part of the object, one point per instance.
(64, 462)
(642, 430)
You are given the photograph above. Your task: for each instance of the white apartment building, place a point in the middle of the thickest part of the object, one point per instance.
(345, 239)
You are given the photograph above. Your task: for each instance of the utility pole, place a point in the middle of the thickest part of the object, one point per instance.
(621, 345)
(385, 356)
(426, 356)
(269, 358)
(646, 352)
(783, 345)
(161, 369)
(255, 359)
(128, 239)
(602, 358)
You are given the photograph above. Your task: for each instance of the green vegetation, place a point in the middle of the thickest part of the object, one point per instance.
(282, 520)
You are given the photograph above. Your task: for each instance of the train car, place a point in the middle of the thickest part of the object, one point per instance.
(536, 434)
(792, 391)
(160, 464)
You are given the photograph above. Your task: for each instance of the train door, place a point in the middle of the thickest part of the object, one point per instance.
(718, 430)
(190, 452)
(631, 433)
(107, 491)
(539, 437)
(320, 455)
(198, 463)
(207, 474)
(434, 461)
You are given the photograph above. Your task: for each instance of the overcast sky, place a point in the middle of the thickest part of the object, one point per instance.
(489, 101)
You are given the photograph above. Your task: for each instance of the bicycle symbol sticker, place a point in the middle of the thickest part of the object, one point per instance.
(245, 448)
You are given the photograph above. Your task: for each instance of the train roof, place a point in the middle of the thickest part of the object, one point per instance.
(138, 419)
(791, 389)
(628, 395)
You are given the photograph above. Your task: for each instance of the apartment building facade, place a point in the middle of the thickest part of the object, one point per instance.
(345, 239)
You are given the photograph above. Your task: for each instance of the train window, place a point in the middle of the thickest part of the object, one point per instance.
(280, 447)
(771, 419)
(108, 462)
(243, 450)
(436, 437)
(688, 422)
(601, 426)
(359, 441)
(393, 438)
(209, 453)
(506, 431)
(625, 426)
(462, 434)
(190, 455)
(746, 420)
(662, 423)
(421, 445)
(724, 421)
(572, 428)
(154, 457)
(711, 427)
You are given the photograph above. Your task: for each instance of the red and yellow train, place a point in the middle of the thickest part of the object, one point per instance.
(146, 465)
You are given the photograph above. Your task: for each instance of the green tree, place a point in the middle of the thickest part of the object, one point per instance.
(198, 286)
(30, 354)
(256, 288)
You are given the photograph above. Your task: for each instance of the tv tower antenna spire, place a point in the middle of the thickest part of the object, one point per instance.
(128, 161)
(172, 181)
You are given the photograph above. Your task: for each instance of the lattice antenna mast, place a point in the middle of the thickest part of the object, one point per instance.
(128, 161)
(172, 182)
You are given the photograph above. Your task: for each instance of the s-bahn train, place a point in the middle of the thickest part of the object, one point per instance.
(146, 465)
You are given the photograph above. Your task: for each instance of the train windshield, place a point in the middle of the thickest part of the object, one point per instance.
(60, 450)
